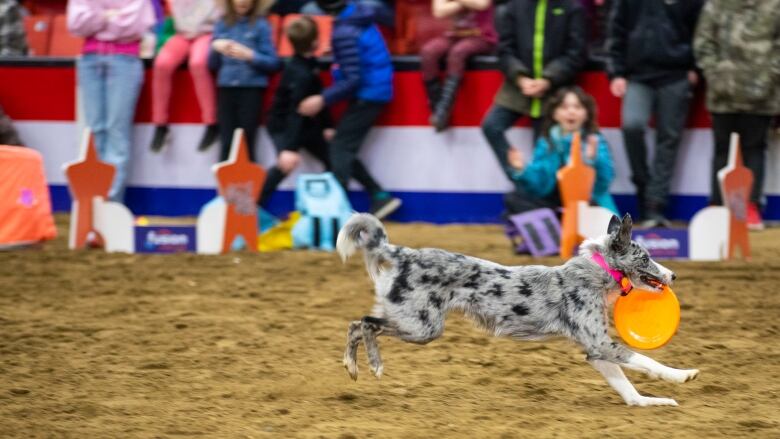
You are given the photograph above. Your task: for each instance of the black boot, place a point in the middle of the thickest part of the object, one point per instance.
(209, 137)
(160, 139)
(441, 117)
(433, 90)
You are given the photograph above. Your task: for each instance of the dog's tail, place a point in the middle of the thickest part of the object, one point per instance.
(365, 232)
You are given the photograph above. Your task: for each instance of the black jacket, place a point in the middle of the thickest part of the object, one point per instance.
(300, 79)
(651, 41)
(563, 39)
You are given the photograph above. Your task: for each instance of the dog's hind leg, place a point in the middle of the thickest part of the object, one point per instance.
(655, 369)
(371, 327)
(354, 335)
(615, 377)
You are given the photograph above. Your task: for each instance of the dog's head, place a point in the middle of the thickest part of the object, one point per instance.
(625, 255)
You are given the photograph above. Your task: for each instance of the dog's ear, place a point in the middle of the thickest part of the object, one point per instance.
(620, 233)
(614, 225)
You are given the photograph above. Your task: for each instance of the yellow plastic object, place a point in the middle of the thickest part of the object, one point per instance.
(279, 237)
(647, 320)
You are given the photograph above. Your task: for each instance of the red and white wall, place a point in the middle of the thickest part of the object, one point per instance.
(445, 177)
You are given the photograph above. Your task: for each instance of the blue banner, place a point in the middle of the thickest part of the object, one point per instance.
(165, 239)
(663, 243)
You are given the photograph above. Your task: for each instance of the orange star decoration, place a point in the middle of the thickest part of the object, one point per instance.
(736, 183)
(575, 182)
(88, 178)
(239, 182)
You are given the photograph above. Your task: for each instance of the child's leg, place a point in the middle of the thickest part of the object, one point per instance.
(201, 77)
(494, 126)
(350, 134)
(431, 54)
(464, 49)
(276, 173)
(172, 54)
(227, 117)
(250, 104)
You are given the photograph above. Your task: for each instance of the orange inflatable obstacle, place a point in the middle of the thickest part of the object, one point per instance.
(25, 208)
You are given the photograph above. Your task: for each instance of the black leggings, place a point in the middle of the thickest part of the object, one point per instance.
(238, 107)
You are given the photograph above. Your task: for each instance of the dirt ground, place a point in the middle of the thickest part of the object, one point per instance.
(96, 345)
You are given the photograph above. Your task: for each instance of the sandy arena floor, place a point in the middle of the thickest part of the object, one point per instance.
(94, 345)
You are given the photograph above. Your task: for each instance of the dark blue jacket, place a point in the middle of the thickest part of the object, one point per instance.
(237, 73)
(364, 69)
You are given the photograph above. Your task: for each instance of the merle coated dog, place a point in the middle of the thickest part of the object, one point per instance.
(417, 288)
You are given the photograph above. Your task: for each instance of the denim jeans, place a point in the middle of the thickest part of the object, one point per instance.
(110, 85)
(669, 103)
(494, 127)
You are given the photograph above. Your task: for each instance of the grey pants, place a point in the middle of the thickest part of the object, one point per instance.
(669, 104)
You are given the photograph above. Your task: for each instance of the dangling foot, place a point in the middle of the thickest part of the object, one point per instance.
(161, 138)
(441, 117)
(209, 137)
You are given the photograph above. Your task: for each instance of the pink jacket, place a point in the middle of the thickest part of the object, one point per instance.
(194, 17)
(110, 20)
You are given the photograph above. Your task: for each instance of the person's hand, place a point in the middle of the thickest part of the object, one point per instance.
(591, 147)
(515, 159)
(539, 87)
(288, 161)
(693, 77)
(221, 45)
(239, 51)
(525, 84)
(311, 105)
(329, 133)
(618, 87)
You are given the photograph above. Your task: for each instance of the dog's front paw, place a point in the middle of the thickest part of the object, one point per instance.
(646, 401)
(681, 375)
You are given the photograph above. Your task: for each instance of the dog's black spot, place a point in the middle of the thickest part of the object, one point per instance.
(452, 295)
(575, 298)
(524, 290)
(376, 239)
(503, 273)
(496, 290)
(435, 300)
(568, 323)
(558, 279)
(424, 265)
(474, 299)
(400, 283)
(520, 309)
(473, 280)
(376, 321)
(424, 315)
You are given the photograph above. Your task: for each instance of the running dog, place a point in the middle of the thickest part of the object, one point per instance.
(417, 288)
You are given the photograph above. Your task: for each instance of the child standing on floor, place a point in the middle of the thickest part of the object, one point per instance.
(243, 55)
(365, 79)
(568, 111)
(110, 75)
(194, 20)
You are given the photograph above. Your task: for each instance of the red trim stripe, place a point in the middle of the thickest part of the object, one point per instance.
(30, 93)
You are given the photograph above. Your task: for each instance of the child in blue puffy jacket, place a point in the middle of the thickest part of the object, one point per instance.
(243, 55)
(364, 79)
(570, 110)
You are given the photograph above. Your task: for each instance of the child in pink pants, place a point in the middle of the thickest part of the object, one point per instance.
(194, 21)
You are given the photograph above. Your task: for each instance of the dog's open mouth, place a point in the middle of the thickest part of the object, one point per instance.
(651, 281)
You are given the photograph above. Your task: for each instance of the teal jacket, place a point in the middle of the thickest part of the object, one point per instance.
(539, 177)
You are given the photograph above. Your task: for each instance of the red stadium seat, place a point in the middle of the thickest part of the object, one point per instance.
(38, 30)
(414, 25)
(275, 20)
(325, 25)
(62, 42)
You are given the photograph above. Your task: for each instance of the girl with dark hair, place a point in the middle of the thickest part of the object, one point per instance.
(568, 111)
(243, 54)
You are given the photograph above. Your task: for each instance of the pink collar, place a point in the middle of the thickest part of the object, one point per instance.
(621, 279)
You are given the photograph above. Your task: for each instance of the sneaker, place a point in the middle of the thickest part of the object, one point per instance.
(754, 220)
(655, 219)
(384, 207)
(161, 138)
(209, 137)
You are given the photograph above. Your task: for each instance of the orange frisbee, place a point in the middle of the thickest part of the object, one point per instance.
(647, 320)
